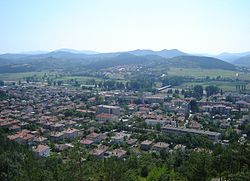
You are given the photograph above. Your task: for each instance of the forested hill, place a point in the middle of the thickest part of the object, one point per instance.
(155, 60)
(243, 61)
(201, 62)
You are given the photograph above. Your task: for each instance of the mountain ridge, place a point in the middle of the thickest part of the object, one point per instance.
(243, 61)
(63, 60)
(231, 57)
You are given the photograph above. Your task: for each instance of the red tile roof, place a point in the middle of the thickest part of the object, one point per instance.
(103, 115)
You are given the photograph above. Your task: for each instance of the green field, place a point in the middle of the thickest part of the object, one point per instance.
(78, 78)
(196, 73)
(224, 85)
(19, 76)
(212, 73)
(39, 75)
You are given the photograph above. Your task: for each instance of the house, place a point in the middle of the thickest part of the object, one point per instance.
(99, 152)
(22, 137)
(119, 153)
(154, 122)
(144, 110)
(161, 121)
(23, 124)
(95, 137)
(146, 145)
(220, 109)
(57, 136)
(242, 104)
(207, 108)
(177, 105)
(71, 123)
(42, 151)
(194, 125)
(244, 110)
(61, 147)
(15, 128)
(154, 99)
(131, 142)
(57, 127)
(224, 124)
(70, 133)
(47, 125)
(87, 142)
(160, 146)
(180, 147)
(119, 137)
(40, 139)
(217, 109)
(7, 123)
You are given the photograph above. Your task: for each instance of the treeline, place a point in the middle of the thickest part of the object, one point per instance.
(197, 91)
(145, 82)
(175, 80)
(139, 83)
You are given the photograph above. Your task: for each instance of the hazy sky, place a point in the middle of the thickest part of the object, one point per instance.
(202, 26)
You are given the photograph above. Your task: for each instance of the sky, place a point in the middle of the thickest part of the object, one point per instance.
(200, 26)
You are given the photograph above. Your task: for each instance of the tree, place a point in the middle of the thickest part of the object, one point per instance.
(193, 106)
(162, 174)
(199, 166)
(144, 171)
(158, 127)
(59, 83)
(176, 91)
(170, 91)
(188, 93)
(3, 95)
(198, 91)
(211, 90)
(1, 83)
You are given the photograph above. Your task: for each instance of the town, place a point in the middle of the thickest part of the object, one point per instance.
(155, 90)
(117, 123)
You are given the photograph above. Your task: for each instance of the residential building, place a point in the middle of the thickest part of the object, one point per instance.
(105, 118)
(70, 133)
(108, 110)
(160, 146)
(211, 135)
(146, 145)
(57, 136)
(119, 153)
(99, 151)
(42, 151)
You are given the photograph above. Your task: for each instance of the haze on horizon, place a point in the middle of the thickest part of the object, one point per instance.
(208, 26)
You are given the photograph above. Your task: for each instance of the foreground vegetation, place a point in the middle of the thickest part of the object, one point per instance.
(228, 162)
